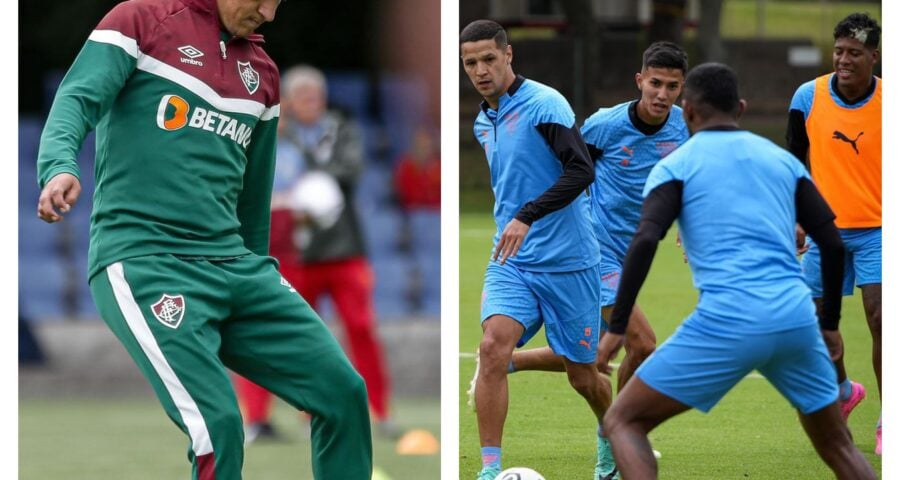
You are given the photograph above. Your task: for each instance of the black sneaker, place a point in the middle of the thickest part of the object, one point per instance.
(388, 429)
(260, 431)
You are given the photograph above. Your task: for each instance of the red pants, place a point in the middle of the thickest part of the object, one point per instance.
(350, 284)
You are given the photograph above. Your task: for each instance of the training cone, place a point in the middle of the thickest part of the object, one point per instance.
(417, 442)
(378, 474)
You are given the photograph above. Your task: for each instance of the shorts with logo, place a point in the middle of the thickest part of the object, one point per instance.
(862, 260)
(698, 367)
(610, 274)
(184, 321)
(567, 304)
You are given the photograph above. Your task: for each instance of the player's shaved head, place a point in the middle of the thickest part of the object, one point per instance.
(665, 55)
(484, 30)
(861, 27)
(712, 88)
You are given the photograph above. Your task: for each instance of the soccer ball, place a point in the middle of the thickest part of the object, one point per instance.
(519, 473)
(318, 195)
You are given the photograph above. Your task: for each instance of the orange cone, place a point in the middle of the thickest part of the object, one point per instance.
(418, 442)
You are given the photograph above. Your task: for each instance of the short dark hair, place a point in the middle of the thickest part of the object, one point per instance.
(484, 30)
(860, 27)
(665, 55)
(713, 85)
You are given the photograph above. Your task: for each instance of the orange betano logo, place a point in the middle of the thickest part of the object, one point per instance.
(178, 117)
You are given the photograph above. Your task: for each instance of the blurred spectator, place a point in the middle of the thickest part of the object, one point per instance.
(321, 250)
(417, 175)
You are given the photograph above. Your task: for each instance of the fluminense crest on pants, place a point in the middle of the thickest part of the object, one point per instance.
(169, 310)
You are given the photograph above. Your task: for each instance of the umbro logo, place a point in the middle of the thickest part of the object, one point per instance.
(191, 53)
(840, 136)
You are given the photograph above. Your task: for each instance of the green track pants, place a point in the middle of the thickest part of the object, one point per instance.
(185, 320)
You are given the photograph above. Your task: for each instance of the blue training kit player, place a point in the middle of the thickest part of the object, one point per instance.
(530, 141)
(544, 267)
(737, 198)
(624, 149)
(737, 219)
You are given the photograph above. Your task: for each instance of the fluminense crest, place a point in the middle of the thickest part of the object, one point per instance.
(249, 76)
(169, 310)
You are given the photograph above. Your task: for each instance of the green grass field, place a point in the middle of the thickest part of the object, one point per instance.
(752, 433)
(784, 19)
(132, 439)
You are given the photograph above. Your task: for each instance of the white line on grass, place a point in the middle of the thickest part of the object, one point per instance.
(471, 356)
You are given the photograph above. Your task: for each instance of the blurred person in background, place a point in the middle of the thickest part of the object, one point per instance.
(834, 128)
(417, 189)
(318, 149)
(417, 174)
(178, 260)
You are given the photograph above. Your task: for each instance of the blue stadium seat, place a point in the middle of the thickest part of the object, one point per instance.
(350, 91)
(380, 229)
(37, 239)
(425, 228)
(392, 276)
(29, 140)
(404, 101)
(42, 281)
(375, 187)
(429, 265)
(86, 308)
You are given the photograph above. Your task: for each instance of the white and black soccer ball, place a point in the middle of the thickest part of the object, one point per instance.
(519, 473)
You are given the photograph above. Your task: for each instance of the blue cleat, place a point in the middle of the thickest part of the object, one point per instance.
(606, 464)
(488, 473)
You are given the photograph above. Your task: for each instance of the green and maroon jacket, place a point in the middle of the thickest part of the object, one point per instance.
(186, 120)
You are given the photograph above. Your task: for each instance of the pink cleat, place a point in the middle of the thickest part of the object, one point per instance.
(878, 440)
(857, 394)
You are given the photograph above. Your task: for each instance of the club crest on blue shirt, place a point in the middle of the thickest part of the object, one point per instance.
(249, 76)
(665, 148)
(169, 310)
(511, 121)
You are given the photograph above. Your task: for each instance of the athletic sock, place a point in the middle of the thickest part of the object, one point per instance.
(510, 368)
(845, 389)
(879, 421)
(490, 457)
(600, 431)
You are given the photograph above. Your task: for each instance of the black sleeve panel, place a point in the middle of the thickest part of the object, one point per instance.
(660, 210)
(594, 152)
(578, 172)
(796, 136)
(814, 215)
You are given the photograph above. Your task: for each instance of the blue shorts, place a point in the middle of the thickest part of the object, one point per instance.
(862, 261)
(610, 274)
(566, 303)
(697, 368)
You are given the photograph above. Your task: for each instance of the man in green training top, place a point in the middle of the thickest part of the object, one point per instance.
(185, 104)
